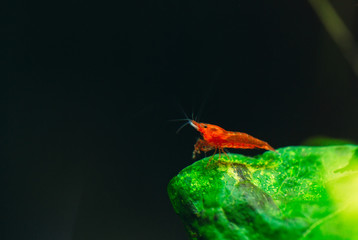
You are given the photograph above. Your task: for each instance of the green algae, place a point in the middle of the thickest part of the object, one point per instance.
(297, 193)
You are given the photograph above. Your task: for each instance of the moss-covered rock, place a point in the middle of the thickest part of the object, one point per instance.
(297, 193)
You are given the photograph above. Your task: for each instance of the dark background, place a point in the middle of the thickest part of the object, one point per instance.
(91, 87)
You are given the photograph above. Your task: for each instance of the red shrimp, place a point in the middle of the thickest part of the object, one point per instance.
(217, 138)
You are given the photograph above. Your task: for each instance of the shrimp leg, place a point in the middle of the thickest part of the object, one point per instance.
(207, 165)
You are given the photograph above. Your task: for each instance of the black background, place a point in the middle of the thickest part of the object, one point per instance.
(91, 87)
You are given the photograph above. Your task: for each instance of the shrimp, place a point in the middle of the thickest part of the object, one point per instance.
(217, 138)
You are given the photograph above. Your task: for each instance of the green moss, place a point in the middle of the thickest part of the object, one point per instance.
(300, 193)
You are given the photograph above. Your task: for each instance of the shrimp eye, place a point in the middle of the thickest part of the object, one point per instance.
(205, 126)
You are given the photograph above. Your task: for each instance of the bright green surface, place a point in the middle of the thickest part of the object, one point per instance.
(301, 193)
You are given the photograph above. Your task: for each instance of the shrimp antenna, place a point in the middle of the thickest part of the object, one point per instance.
(179, 119)
(192, 113)
(182, 126)
(194, 118)
(187, 119)
(186, 115)
(182, 119)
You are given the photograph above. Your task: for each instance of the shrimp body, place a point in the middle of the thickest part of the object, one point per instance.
(217, 138)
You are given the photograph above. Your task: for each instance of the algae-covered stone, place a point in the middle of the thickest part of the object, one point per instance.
(297, 193)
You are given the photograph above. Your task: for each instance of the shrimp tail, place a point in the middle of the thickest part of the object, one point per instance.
(268, 147)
